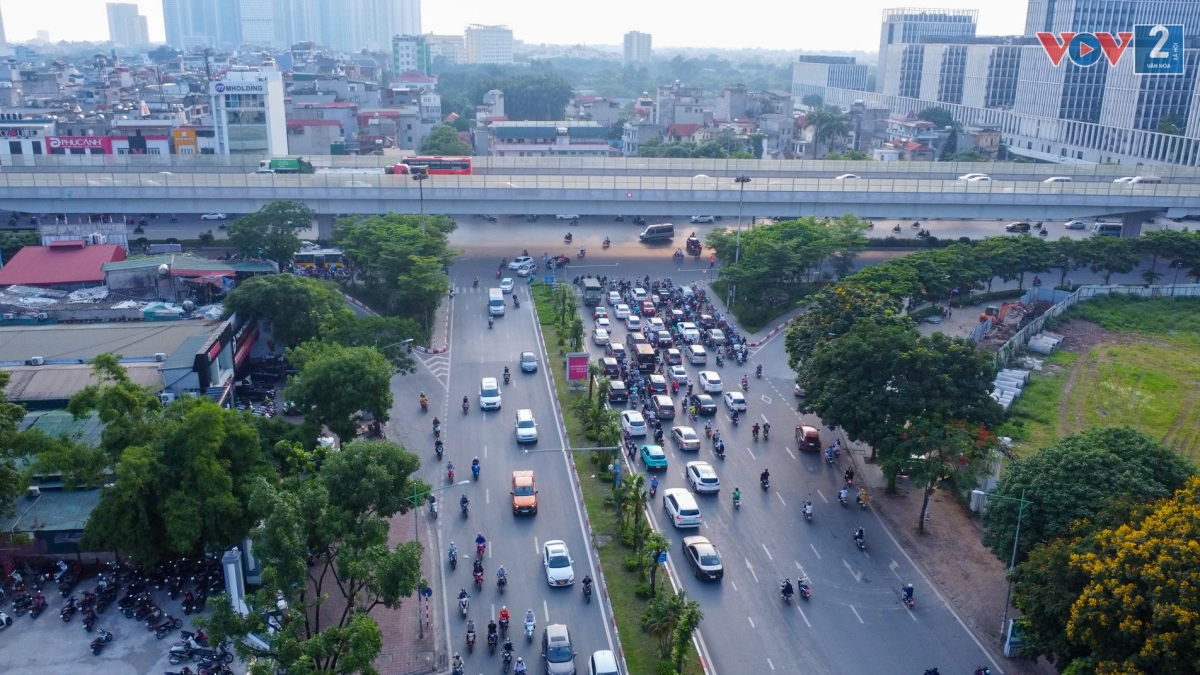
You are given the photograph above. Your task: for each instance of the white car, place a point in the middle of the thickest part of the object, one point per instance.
(846, 176)
(604, 323)
(696, 355)
(677, 374)
(1075, 225)
(633, 423)
(1125, 179)
(735, 401)
(703, 477)
(686, 438)
(518, 261)
(1058, 179)
(213, 216)
(600, 337)
(557, 561)
(526, 268)
(640, 295)
(614, 298)
(526, 426)
(633, 322)
(621, 311)
(980, 179)
(682, 508)
(655, 324)
(506, 285)
(567, 216)
(710, 382)
(703, 219)
(972, 176)
(489, 394)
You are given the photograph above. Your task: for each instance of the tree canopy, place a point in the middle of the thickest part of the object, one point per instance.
(324, 537)
(11, 414)
(272, 230)
(1073, 480)
(940, 117)
(335, 384)
(443, 141)
(297, 306)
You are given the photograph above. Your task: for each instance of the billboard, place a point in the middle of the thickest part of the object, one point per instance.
(101, 143)
(577, 367)
(237, 87)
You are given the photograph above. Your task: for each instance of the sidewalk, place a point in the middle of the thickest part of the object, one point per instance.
(767, 332)
(404, 652)
(439, 341)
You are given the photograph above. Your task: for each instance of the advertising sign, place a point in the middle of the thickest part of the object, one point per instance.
(577, 367)
(79, 143)
(238, 87)
(1157, 48)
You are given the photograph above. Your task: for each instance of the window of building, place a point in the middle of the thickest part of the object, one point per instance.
(37, 147)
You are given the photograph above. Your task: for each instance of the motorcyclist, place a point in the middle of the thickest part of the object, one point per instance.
(520, 668)
(908, 592)
(491, 631)
(568, 237)
(754, 429)
(466, 401)
(450, 470)
(424, 400)
(842, 494)
(453, 548)
(439, 447)
(491, 322)
(587, 583)
(745, 381)
(859, 535)
(737, 495)
(530, 617)
(457, 663)
(462, 595)
(808, 509)
(766, 429)
(479, 540)
(501, 575)
(829, 454)
(504, 617)
(470, 630)
(506, 373)
(786, 588)
(476, 280)
(736, 418)
(606, 241)
(475, 467)
(516, 302)
(861, 498)
(436, 424)
(758, 371)
(721, 448)
(477, 567)
(849, 475)
(463, 502)
(708, 428)
(765, 476)
(581, 251)
(653, 485)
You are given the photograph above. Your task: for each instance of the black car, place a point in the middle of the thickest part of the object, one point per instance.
(664, 340)
(615, 350)
(610, 366)
(1017, 227)
(559, 260)
(707, 322)
(658, 384)
(617, 393)
(705, 405)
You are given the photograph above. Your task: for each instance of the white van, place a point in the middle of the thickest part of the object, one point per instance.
(1106, 230)
(657, 232)
(1058, 179)
(1145, 180)
(495, 302)
(489, 394)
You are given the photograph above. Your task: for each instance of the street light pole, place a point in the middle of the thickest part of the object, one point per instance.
(1013, 562)
(737, 251)
(420, 176)
(418, 495)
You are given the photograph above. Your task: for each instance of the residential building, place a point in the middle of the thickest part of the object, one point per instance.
(637, 49)
(449, 47)
(780, 130)
(636, 133)
(828, 71)
(912, 26)
(125, 26)
(731, 104)
(548, 139)
(22, 135)
(679, 104)
(488, 44)
(1065, 113)
(202, 23)
(315, 137)
(248, 110)
(257, 22)
(410, 53)
(602, 109)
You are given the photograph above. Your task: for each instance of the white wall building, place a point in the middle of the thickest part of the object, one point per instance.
(637, 48)
(125, 26)
(258, 22)
(449, 47)
(248, 112)
(488, 44)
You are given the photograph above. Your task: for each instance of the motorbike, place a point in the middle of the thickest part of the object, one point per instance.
(69, 610)
(501, 583)
(896, 229)
(466, 511)
(582, 253)
(754, 432)
(721, 450)
(480, 549)
(805, 592)
(507, 660)
(463, 604)
(916, 224)
(861, 544)
(567, 238)
(783, 593)
(433, 507)
(507, 377)
(808, 515)
(439, 448)
(737, 502)
(89, 620)
(745, 384)
(437, 431)
(587, 592)
(904, 597)
(453, 560)
(606, 244)
(467, 406)
(471, 641)
(492, 643)
(842, 499)
(478, 580)
(37, 607)
(529, 628)
(475, 470)
(765, 483)
(164, 629)
(424, 405)
(102, 639)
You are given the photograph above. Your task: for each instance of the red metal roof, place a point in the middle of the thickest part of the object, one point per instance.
(682, 130)
(60, 265)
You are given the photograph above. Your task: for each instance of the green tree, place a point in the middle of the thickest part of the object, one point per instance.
(659, 620)
(828, 123)
(1169, 244)
(690, 616)
(339, 521)
(335, 384)
(833, 312)
(130, 412)
(950, 146)
(1111, 254)
(813, 101)
(12, 484)
(184, 488)
(272, 230)
(1072, 480)
(1137, 614)
(940, 117)
(655, 544)
(443, 141)
(1170, 124)
(937, 451)
(1068, 255)
(296, 306)
(391, 335)
(423, 286)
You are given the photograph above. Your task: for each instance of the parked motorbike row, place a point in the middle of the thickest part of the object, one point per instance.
(190, 581)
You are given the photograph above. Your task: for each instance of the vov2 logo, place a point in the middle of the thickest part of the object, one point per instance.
(1157, 48)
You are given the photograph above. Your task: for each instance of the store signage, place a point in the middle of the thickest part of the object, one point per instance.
(238, 88)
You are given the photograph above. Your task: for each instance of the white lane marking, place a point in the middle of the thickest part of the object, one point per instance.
(751, 568)
(851, 609)
(769, 557)
(802, 616)
(777, 494)
(536, 549)
(789, 451)
(487, 495)
(910, 612)
(770, 664)
(854, 573)
(751, 453)
(822, 496)
(814, 548)
(751, 621)
(485, 452)
(562, 439)
(801, 568)
(546, 611)
(489, 550)
(762, 415)
(893, 568)
(731, 583)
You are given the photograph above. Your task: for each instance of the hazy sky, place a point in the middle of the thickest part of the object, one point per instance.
(770, 24)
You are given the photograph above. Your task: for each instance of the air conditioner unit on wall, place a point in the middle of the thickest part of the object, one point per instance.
(36, 361)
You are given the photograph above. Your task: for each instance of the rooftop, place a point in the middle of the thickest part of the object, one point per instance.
(179, 264)
(54, 510)
(55, 423)
(62, 264)
(80, 343)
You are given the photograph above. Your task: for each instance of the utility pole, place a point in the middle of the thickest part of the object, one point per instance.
(1013, 561)
(737, 251)
(418, 495)
(420, 175)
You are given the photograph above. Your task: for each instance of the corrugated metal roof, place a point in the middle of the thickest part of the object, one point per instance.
(184, 355)
(55, 423)
(175, 261)
(55, 510)
(84, 342)
(53, 265)
(33, 384)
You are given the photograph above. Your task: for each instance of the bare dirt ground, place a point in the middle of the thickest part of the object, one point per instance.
(952, 554)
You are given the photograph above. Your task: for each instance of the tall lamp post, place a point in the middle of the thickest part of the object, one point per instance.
(421, 176)
(1013, 562)
(737, 251)
(417, 496)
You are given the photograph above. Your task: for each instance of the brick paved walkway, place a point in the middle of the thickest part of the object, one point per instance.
(404, 652)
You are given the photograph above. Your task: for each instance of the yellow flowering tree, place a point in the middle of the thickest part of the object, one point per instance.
(1140, 611)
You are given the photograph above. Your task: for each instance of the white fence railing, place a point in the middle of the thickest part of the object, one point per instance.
(1063, 301)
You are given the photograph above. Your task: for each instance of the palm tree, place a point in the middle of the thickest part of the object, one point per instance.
(659, 621)
(828, 123)
(594, 371)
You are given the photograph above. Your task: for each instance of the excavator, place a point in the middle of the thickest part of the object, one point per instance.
(999, 313)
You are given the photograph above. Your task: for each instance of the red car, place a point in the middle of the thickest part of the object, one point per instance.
(647, 308)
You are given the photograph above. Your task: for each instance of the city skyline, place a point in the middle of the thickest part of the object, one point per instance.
(815, 28)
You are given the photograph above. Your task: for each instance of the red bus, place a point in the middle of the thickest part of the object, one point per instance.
(457, 166)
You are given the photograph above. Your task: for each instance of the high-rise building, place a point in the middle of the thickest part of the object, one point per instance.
(1063, 113)
(247, 105)
(3, 39)
(410, 52)
(449, 47)
(829, 71)
(637, 48)
(488, 44)
(202, 23)
(907, 26)
(258, 22)
(125, 26)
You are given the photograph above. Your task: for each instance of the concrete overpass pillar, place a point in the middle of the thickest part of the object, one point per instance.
(1131, 223)
(325, 226)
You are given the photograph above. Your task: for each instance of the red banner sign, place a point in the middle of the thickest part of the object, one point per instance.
(80, 143)
(577, 367)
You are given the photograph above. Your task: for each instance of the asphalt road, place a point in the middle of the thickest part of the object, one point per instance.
(476, 352)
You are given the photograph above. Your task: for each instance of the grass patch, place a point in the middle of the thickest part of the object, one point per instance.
(641, 649)
(1176, 317)
(1033, 419)
(753, 316)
